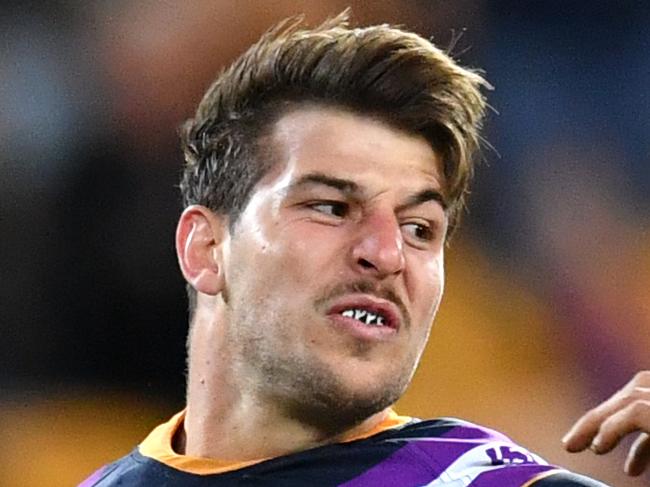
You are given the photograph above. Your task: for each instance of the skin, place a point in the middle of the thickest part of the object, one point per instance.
(270, 372)
(626, 412)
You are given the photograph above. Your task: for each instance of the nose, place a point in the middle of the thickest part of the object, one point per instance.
(379, 247)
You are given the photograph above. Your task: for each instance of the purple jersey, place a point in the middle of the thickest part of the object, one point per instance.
(437, 453)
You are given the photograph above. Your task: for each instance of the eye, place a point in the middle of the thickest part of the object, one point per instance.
(333, 208)
(421, 232)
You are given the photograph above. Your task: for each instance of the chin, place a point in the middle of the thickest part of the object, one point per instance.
(331, 393)
(378, 382)
(333, 405)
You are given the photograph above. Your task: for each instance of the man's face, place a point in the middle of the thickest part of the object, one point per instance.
(334, 271)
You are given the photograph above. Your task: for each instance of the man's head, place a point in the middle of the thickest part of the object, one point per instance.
(379, 71)
(330, 166)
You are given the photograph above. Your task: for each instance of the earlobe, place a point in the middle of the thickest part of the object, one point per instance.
(199, 238)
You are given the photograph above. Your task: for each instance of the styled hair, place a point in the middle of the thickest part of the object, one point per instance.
(381, 71)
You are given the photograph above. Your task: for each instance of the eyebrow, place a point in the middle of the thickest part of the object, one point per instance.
(350, 188)
(344, 185)
(423, 197)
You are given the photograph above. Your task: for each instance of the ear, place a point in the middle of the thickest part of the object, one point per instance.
(199, 238)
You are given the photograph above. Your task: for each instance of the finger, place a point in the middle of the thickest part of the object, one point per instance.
(639, 456)
(585, 429)
(631, 418)
(582, 432)
(641, 379)
(581, 435)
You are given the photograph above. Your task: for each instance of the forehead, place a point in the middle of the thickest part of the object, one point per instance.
(338, 141)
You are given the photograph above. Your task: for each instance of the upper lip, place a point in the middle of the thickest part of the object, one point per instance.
(387, 309)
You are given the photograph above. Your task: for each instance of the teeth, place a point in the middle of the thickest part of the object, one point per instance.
(364, 316)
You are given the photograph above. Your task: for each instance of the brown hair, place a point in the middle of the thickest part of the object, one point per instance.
(380, 70)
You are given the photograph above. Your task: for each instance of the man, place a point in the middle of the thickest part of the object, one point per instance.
(325, 171)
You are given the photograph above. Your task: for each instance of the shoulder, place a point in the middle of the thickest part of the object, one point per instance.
(454, 449)
(130, 470)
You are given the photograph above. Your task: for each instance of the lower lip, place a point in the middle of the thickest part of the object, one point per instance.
(360, 330)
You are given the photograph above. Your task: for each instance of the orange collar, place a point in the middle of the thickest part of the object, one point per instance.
(158, 446)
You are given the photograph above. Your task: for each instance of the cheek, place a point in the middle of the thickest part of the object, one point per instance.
(430, 284)
(307, 251)
(275, 265)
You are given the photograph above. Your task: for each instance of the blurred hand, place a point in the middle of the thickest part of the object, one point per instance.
(602, 428)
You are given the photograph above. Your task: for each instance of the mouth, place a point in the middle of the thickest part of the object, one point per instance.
(370, 316)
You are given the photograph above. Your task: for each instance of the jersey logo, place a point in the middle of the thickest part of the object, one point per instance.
(484, 458)
(505, 455)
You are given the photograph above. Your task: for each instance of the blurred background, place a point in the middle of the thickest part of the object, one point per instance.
(547, 310)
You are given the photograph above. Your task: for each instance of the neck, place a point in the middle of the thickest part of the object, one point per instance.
(246, 432)
(226, 421)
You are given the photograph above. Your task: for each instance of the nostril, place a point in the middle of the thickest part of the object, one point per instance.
(366, 264)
